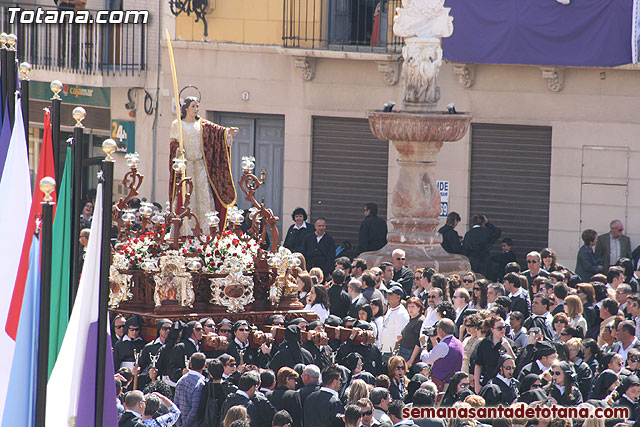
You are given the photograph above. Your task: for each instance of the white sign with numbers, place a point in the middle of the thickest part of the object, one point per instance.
(443, 188)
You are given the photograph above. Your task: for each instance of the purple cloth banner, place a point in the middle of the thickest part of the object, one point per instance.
(585, 33)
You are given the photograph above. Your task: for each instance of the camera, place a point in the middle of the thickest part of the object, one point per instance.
(431, 331)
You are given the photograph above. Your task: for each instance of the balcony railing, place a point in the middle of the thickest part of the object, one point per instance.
(96, 49)
(348, 25)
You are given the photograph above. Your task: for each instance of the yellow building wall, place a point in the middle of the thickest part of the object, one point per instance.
(236, 21)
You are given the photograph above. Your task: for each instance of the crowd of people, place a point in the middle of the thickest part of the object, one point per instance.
(543, 335)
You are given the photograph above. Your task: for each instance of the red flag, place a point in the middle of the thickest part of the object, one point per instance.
(45, 168)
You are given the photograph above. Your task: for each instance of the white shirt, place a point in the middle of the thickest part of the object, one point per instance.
(329, 390)
(438, 351)
(542, 367)
(431, 318)
(242, 393)
(295, 226)
(394, 321)
(614, 249)
(320, 310)
(504, 380)
(240, 344)
(318, 238)
(624, 351)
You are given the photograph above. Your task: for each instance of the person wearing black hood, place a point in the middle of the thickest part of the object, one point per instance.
(531, 389)
(604, 384)
(123, 352)
(165, 352)
(291, 352)
(322, 354)
(151, 350)
(241, 351)
(629, 391)
(504, 380)
(545, 355)
(191, 336)
(450, 238)
(458, 386)
(563, 390)
(372, 358)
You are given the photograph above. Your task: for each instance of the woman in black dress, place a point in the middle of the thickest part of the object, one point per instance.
(562, 390)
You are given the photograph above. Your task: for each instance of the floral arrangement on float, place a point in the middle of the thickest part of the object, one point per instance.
(154, 261)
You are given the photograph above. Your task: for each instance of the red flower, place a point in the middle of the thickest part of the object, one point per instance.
(200, 250)
(184, 251)
(135, 240)
(235, 242)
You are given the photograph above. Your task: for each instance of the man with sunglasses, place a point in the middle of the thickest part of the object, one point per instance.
(118, 329)
(125, 349)
(163, 327)
(401, 273)
(366, 410)
(534, 262)
(240, 350)
(504, 380)
(612, 246)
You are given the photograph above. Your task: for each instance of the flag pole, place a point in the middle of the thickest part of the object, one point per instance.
(109, 147)
(25, 68)
(56, 88)
(11, 75)
(79, 114)
(3, 69)
(48, 186)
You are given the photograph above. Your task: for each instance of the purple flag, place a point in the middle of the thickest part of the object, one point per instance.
(5, 137)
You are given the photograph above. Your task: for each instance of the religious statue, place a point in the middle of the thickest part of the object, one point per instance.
(426, 19)
(422, 23)
(207, 150)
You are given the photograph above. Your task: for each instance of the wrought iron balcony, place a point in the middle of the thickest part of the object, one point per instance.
(93, 49)
(348, 25)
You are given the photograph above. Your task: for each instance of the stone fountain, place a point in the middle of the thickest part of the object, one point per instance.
(418, 133)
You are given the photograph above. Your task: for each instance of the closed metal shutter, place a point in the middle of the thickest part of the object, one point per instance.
(510, 175)
(349, 169)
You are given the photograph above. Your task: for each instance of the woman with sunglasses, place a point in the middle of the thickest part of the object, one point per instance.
(531, 390)
(489, 351)
(560, 321)
(479, 295)
(396, 369)
(550, 260)
(468, 281)
(563, 390)
(457, 390)
(505, 381)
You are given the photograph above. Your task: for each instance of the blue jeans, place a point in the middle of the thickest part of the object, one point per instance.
(405, 353)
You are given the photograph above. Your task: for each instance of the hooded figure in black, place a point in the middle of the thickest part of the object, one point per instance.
(152, 349)
(568, 393)
(602, 383)
(183, 350)
(627, 402)
(123, 352)
(291, 352)
(530, 393)
(321, 355)
(371, 355)
(505, 381)
(164, 357)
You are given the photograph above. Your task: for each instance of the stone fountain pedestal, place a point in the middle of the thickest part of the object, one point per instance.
(415, 203)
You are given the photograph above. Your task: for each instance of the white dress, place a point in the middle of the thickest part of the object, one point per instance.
(202, 199)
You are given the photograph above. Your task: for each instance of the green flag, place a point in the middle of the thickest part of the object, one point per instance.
(61, 264)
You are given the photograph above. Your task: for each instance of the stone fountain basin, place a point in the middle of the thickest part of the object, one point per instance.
(419, 126)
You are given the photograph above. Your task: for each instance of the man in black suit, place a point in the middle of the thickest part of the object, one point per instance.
(339, 300)
(544, 357)
(322, 406)
(560, 292)
(285, 397)
(401, 273)
(319, 248)
(461, 300)
(134, 405)
(517, 295)
(311, 381)
(478, 241)
(357, 299)
(373, 230)
(258, 407)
